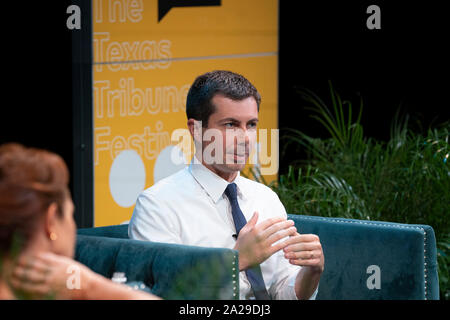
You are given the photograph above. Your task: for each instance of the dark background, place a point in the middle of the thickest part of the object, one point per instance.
(405, 63)
(36, 108)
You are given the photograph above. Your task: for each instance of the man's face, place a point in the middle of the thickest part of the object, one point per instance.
(231, 133)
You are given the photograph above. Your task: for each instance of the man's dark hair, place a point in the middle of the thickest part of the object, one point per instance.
(229, 84)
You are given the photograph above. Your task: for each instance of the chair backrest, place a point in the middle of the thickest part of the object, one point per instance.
(116, 231)
(368, 260)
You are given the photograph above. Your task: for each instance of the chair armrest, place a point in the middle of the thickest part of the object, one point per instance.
(171, 271)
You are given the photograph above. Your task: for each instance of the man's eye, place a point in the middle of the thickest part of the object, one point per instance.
(229, 125)
(252, 125)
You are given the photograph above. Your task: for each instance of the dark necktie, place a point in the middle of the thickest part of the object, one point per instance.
(254, 274)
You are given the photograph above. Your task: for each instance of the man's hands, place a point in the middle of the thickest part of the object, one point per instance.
(305, 250)
(256, 243)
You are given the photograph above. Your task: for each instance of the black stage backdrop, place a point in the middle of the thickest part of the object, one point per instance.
(36, 107)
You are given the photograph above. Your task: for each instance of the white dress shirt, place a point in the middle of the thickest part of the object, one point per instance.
(190, 207)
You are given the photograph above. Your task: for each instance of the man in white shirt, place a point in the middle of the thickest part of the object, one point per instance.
(195, 207)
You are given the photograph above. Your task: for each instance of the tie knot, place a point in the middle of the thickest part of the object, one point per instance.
(231, 191)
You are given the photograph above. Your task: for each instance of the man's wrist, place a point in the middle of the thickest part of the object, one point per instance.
(314, 270)
(243, 265)
(307, 281)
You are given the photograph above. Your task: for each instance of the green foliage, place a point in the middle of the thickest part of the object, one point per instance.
(443, 252)
(406, 179)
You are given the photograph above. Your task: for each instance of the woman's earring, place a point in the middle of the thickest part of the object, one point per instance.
(53, 236)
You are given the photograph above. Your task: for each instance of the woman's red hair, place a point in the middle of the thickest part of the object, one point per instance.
(30, 180)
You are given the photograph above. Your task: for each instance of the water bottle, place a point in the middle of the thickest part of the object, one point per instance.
(119, 277)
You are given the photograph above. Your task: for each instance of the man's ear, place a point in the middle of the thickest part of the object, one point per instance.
(190, 124)
(195, 129)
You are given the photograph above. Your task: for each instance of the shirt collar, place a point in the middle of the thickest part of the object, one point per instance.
(213, 184)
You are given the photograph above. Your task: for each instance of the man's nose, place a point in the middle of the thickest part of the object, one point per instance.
(242, 135)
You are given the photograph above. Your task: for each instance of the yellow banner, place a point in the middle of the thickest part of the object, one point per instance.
(129, 30)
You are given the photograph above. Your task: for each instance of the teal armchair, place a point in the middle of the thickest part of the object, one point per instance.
(170, 271)
(364, 260)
